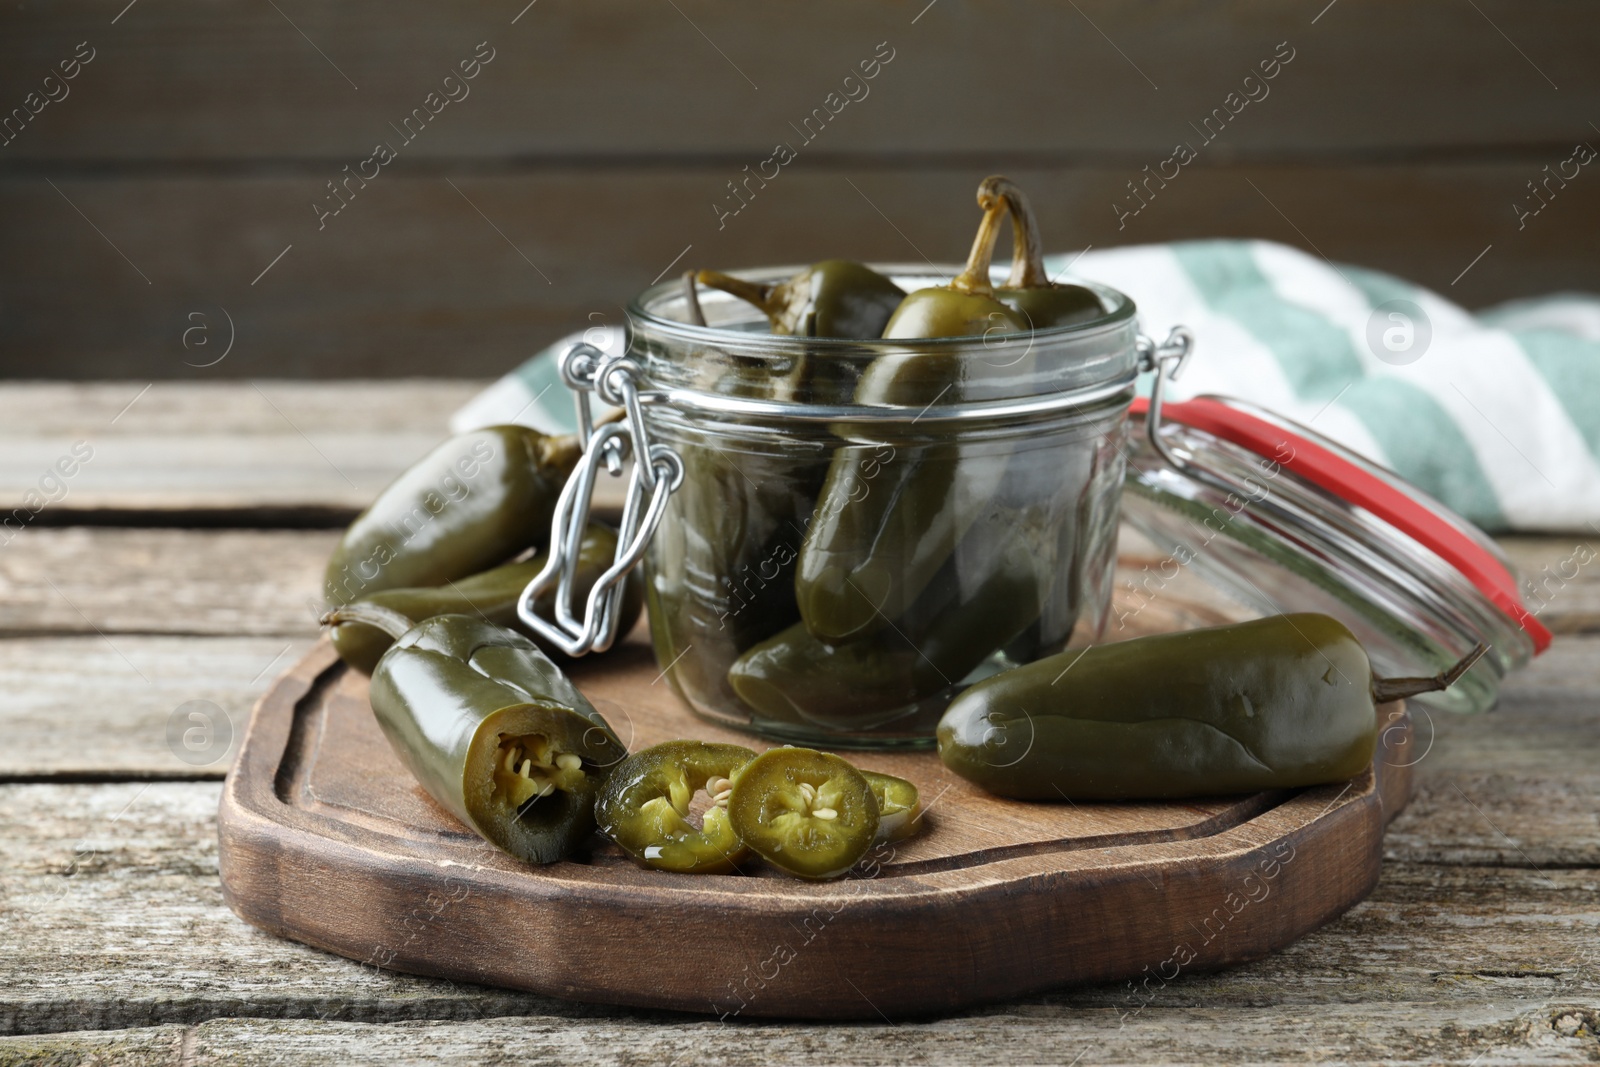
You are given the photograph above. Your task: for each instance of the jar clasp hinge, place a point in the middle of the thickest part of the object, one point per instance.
(586, 369)
(1167, 360)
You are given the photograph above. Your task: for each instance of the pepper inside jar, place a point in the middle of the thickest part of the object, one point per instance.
(866, 526)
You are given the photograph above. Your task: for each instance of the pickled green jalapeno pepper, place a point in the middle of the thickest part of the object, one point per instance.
(474, 502)
(722, 566)
(644, 806)
(834, 298)
(492, 596)
(491, 729)
(967, 306)
(1074, 538)
(1029, 291)
(883, 529)
(810, 813)
(859, 684)
(899, 807)
(1274, 703)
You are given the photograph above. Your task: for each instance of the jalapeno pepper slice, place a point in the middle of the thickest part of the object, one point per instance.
(810, 813)
(899, 806)
(644, 806)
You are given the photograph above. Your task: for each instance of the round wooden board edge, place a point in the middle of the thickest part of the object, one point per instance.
(1023, 928)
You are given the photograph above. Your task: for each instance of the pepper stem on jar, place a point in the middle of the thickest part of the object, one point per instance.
(691, 299)
(975, 278)
(762, 296)
(1385, 690)
(1027, 247)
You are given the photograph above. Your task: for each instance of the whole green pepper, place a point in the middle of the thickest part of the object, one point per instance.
(474, 502)
(882, 529)
(834, 298)
(795, 677)
(1029, 291)
(1274, 703)
(491, 729)
(492, 596)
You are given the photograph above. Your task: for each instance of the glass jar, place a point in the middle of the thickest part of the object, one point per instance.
(840, 557)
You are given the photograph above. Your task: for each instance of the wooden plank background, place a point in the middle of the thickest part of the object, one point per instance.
(142, 209)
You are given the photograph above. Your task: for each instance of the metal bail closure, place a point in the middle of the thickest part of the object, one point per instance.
(586, 369)
(1168, 360)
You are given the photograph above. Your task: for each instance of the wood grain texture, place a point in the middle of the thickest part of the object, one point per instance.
(1560, 578)
(93, 708)
(113, 903)
(235, 582)
(266, 451)
(189, 82)
(1508, 1031)
(411, 279)
(199, 136)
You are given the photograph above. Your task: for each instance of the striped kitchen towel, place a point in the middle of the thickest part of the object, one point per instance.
(1497, 413)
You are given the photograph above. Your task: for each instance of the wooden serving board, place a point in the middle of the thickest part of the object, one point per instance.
(326, 839)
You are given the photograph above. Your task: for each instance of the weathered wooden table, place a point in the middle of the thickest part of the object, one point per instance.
(180, 562)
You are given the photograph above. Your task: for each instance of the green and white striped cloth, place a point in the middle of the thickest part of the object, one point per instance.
(1497, 413)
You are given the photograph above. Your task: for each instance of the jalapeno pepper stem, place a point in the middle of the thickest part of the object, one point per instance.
(378, 617)
(748, 291)
(975, 278)
(691, 299)
(1386, 689)
(1027, 249)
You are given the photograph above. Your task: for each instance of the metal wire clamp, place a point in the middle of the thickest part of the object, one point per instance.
(1167, 360)
(586, 369)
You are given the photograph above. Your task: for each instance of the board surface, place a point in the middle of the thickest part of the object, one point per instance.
(325, 839)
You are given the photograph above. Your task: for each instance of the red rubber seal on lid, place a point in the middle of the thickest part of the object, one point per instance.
(1329, 470)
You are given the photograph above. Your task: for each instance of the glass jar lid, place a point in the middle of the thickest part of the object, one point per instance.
(1284, 519)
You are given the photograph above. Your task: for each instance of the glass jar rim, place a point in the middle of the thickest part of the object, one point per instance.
(1098, 361)
(1122, 311)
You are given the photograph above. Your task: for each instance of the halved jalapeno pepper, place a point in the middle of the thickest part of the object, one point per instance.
(810, 813)
(491, 729)
(899, 806)
(645, 806)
